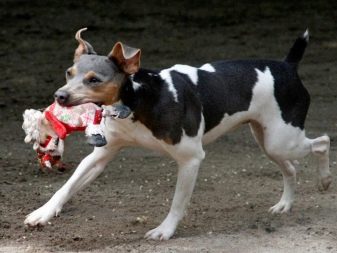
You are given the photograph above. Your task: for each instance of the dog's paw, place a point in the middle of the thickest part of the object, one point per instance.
(161, 233)
(281, 207)
(41, 216)
(325, 183)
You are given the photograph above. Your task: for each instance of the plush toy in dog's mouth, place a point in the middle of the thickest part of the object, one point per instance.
(47, 129)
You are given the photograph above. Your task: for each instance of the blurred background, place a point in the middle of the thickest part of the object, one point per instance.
(37, 37)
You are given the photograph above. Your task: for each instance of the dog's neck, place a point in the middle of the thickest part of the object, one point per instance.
(146, 94)
(140, 90)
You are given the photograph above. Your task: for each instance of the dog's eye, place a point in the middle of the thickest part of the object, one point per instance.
(94, 80)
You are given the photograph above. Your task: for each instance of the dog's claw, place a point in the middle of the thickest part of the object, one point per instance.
(281, 207)
(325, 182)
(160, 233)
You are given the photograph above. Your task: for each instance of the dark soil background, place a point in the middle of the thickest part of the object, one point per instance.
(237, 183)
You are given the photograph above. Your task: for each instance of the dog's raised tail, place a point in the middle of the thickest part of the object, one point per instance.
(297, 50)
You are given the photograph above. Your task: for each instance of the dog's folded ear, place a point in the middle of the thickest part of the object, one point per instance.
(127, 58)
(84, 47)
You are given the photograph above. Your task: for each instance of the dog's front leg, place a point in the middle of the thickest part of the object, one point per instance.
(187, 174)
(87, 171)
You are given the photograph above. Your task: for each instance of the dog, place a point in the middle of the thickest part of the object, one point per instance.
(179, 109)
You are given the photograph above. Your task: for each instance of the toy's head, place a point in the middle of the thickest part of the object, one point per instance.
(36, 127)
(39, 131)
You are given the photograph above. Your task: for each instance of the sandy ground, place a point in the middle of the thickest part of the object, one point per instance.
(237, 183)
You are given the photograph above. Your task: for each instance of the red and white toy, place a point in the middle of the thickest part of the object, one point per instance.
(49, 128)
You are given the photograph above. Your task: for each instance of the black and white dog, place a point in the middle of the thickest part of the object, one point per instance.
(178, 110)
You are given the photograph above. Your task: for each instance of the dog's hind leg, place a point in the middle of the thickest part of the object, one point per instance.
(86, 172)
(287, 168)
(320, 147)
(285, 144)
(289, 185)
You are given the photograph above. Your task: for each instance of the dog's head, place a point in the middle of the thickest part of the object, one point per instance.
(95, 78)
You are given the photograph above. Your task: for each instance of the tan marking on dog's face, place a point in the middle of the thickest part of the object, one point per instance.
(72, 71)
(89, 75)
(107, 94)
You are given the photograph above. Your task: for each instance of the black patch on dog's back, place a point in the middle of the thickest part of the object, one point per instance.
(291, 96)
(189, 100)
(226, 91)
(229, 90)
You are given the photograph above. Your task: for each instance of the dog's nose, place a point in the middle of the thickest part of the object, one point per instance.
(61, 97)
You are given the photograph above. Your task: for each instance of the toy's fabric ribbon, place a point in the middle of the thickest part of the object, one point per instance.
(65, 120)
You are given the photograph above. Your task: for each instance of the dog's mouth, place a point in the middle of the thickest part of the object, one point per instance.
(76, 102)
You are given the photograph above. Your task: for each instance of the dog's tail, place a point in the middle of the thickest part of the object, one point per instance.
(297, 50)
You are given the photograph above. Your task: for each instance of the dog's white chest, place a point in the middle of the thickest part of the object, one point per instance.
(132, 133)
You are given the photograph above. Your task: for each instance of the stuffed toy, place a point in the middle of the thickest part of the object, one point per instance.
(49, 128)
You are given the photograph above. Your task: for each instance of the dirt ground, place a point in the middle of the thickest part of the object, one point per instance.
(237, 183)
